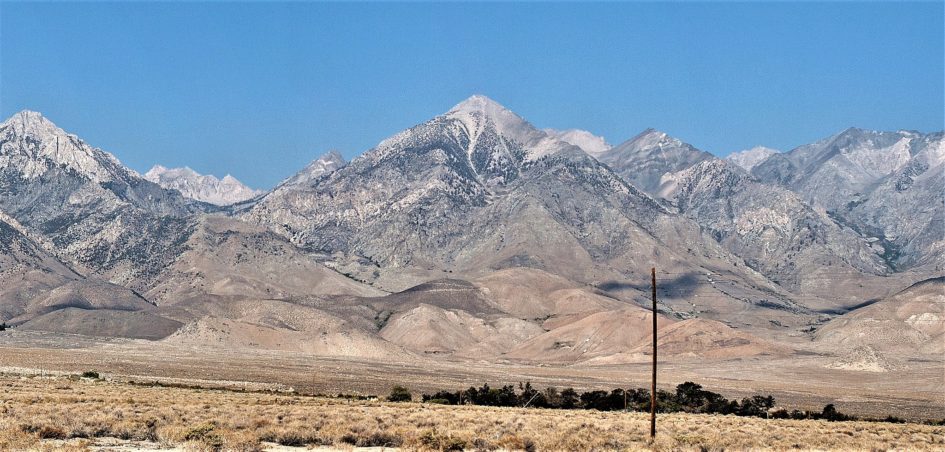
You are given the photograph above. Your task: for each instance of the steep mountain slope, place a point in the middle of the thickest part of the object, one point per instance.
(479, 188)
(833, 171)
(779, 235)
(648, 158)
(326, 163)
(26, 272)
(99, 216)
(39, 292)
(750, 158)
(888, 185)
(774, 230)
(229, 258)
(206, 188)
(109, 223)
(906, 210)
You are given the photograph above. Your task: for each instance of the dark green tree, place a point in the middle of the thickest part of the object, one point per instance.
(399, 394)
(569, 399)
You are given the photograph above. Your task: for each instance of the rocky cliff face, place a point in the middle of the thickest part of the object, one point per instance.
(773, 229)
(887, 185)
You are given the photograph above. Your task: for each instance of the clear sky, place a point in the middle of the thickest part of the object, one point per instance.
(260, 89)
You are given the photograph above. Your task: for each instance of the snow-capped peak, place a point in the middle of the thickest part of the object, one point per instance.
(479, 103)
(750, 158)
(29, 121)
(478, 112)
(652, 138)
(590, 143)
(206, 188)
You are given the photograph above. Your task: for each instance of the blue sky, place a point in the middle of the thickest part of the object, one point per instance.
(260, 89)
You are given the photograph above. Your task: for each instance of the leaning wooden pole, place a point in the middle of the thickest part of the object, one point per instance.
(653, 386)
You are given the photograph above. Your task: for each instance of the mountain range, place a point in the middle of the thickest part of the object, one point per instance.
(476, 235)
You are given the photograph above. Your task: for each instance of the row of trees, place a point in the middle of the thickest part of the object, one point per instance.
(689, 397)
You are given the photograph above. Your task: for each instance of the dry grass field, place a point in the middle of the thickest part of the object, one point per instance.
(71, 413)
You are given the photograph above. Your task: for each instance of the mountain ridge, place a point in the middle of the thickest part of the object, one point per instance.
(486, 236)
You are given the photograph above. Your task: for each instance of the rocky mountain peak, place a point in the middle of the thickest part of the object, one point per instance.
(32, 122)
(206, 188)
(652, 137)
(482, 116)
(650, 159)
(481, 104)
(32, 144)
(324, 164)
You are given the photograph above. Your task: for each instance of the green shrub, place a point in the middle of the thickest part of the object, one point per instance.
(433, 440)
(91, 374)
(205, 435)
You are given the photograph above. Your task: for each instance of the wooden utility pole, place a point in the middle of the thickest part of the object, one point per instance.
(653, 386)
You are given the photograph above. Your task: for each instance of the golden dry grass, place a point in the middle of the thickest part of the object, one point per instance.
(37, 413)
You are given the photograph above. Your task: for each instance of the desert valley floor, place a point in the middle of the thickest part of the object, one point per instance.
(916, 392)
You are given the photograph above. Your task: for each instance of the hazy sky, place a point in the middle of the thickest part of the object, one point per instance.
(260, 89)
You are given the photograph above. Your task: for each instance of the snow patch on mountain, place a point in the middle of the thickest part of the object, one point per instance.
(750, 158)
(206, 188)
(479, 112)
(590, 143)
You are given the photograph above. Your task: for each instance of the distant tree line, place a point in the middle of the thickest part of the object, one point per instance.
(689, 397)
